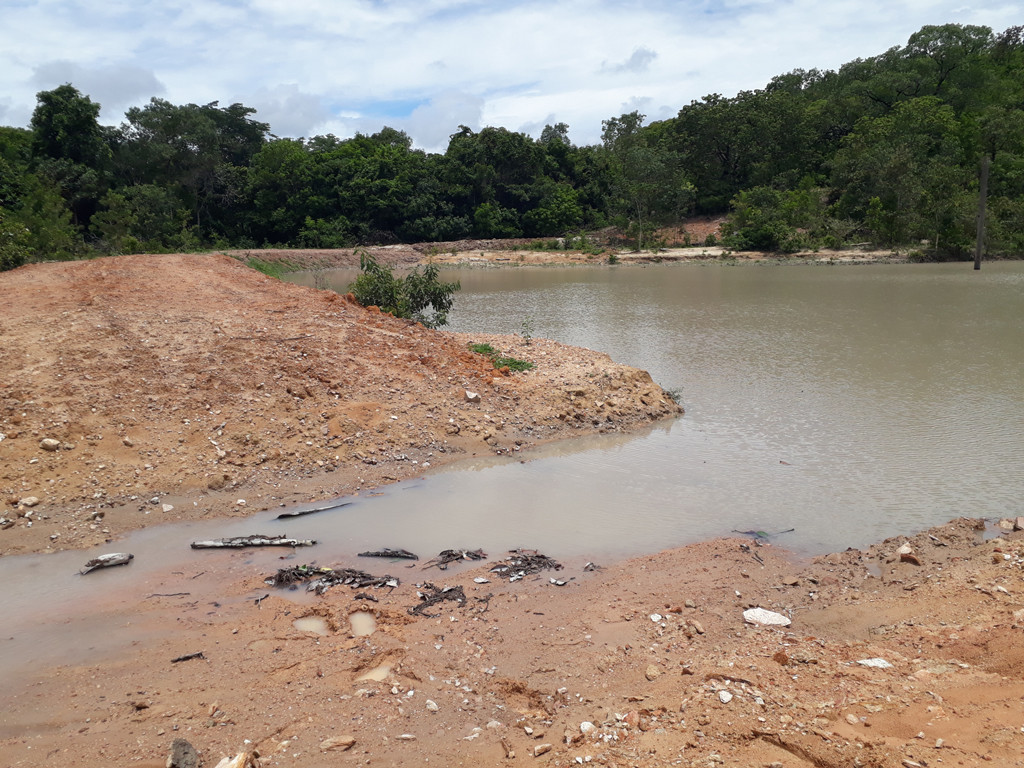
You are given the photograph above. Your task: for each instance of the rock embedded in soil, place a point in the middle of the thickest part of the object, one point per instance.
(342, 743)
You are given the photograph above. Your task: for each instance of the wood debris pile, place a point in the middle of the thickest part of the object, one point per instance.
(523, 562)
(321, 579)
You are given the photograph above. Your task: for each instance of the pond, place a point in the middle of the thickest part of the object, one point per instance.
(849, 403)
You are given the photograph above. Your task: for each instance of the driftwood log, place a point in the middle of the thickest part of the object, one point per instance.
(256, 540)
(401, 554)
(301, 512)
(107, 561)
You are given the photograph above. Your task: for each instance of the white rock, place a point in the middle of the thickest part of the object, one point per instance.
(876, 663)
(472, 397)
(29, 501)
(587, 727)
(167, 507)
(432, 706)
(906, 549)
(767, 618)
(406, 737)
(656, 617)
(481, 580)
(724, 696)
(49, 444)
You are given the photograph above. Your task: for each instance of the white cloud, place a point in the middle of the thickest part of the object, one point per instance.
(431, 124)
(115, 87)
(639, 61)
(427, 66)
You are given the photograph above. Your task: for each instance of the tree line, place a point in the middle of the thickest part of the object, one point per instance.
(884, 150)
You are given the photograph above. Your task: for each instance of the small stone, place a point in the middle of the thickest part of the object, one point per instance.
(406, 737)
(690, 604)
(1018, 522)
(1006, 524)
(240, 503)
(29, 501)
(167, 507)
(541, 749)
(472, 397)
(432, 706)
(766, 618)
(724, 696)
(875, 663)
(939, 743)
(656, 617)
(853, 719)
(337, 742)
(183, 755)
(697, 626)
(908, 557)
(906, 549)
(49, 444)
(652, 672)
(587, 727)
(127, 442)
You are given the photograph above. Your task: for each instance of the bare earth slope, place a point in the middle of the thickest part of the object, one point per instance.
(192, 378)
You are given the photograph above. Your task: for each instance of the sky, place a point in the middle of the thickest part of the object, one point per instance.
(317, 67)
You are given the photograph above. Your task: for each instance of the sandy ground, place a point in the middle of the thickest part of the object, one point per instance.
(196, 382)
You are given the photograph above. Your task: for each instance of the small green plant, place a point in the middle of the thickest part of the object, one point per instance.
(418, 296)
(527, 330)
(512, 363)
(499, 360)
(613, 258)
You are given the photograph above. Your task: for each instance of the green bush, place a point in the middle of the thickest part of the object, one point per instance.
(419, 296)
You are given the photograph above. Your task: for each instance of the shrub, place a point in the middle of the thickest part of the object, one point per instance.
(419, 296)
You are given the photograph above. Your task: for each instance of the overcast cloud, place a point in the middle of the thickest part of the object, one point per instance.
(312, 67)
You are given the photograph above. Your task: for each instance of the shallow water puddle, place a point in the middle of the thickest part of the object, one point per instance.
(314, 624)
(377, 674)
(363, 624)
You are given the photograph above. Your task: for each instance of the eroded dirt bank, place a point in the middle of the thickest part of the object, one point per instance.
(905, 655)
(132, 384)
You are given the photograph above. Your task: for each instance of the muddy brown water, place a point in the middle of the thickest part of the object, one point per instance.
(849, 403)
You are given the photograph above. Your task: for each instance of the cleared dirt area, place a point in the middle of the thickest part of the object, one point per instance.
(197, 382)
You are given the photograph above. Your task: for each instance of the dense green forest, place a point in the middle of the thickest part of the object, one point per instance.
(886, 151)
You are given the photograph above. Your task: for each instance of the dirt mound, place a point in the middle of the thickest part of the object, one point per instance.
(189, 378)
